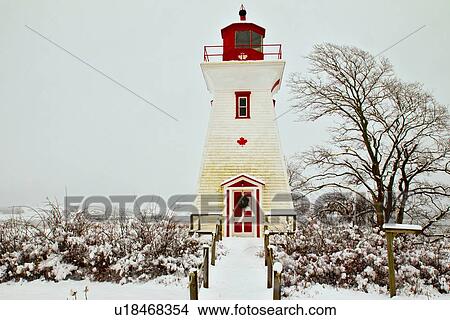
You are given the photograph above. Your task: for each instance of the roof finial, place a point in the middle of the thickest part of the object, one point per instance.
(242, 13)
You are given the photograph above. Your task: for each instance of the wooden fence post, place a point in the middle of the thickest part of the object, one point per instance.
(390, 250)
(391, 230)
(213, 249)
(220, 229)
(270, 268)
(266, 244)
(277, 268)
(295, 224)
(205, 266)
(193, 285)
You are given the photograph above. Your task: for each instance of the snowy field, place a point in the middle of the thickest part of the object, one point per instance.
(155, 290)
(62, 290)
(238, 275)
(18, 212)
(326, 292)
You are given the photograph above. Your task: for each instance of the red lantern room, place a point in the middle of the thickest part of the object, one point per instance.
(243, 41)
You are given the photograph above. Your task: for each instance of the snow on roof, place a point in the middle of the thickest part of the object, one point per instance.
(242, 175)
(402, 226)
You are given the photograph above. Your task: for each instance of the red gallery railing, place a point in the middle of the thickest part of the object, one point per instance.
(216, 52)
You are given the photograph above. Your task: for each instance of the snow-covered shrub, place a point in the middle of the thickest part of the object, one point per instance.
(57, 247)
(349, 256)
(159, 248)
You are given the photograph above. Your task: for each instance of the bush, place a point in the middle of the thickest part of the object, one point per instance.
(349, 256)
(56, 248)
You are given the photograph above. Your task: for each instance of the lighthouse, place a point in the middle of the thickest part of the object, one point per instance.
(242, 159)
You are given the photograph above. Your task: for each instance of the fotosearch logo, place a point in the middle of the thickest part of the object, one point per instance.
(102, 207)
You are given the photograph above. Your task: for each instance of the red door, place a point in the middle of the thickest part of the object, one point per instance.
(242, 217)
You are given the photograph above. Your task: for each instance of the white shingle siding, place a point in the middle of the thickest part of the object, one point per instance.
(261, 157)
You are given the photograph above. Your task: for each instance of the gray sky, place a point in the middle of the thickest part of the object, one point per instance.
(61, 123)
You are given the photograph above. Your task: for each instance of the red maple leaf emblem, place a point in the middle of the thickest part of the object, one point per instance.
(242, 141)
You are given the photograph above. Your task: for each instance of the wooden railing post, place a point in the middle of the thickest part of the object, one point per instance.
(193, 284)
(270, 268)
(266, 244)
(277, 268)
(205, 266)
(220, 229)
(213, 249)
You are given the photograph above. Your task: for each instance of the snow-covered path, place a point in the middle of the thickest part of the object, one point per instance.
(240, 274)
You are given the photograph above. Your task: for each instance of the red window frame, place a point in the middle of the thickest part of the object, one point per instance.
(242, 94)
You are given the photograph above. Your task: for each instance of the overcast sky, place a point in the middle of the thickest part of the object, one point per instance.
(61, 123)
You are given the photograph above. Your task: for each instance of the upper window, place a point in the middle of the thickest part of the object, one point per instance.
(249, 39)
(256, 41)
(243, 105)
(242, 39)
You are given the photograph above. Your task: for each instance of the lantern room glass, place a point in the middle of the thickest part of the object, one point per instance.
(248, 39)
(256, 41)
(242, 39)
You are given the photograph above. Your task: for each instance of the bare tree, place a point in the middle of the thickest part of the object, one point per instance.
(389, 138)
(336, 207)
(302, 204)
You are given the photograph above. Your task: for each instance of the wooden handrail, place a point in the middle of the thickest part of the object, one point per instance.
(198, 227)
(274, 269)
(200, 276)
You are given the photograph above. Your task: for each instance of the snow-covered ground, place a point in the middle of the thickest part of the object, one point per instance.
(326, 292)
(154, 290)
(45, 290)
(238, 275)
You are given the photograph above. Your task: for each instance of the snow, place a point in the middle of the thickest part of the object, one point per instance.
(240, 274)
(401, 226)
(59, 269)
(277, 267)
(47, 290)
(327, 292)
(164, 288)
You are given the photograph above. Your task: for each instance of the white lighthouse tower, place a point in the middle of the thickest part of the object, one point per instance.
(242, 157)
